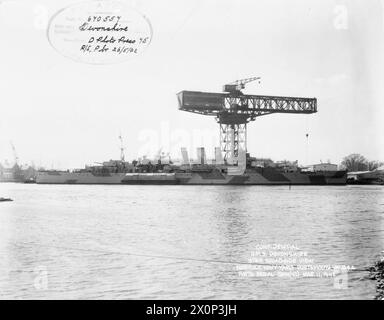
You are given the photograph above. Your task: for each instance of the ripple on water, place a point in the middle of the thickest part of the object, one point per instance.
(103, 242)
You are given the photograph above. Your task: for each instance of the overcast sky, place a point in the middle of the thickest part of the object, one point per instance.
(61, 113)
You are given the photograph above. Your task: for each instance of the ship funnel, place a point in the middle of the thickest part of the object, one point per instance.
(218, 156)
(242, 159)
(184, 154)
(201, 159)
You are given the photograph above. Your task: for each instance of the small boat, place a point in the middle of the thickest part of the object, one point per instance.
(5, 199)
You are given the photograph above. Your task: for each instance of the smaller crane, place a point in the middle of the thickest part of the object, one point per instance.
(235, 87)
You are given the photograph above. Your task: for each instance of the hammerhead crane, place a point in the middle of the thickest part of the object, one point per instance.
(233, 110)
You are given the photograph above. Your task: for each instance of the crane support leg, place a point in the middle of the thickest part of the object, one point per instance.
(233, 137)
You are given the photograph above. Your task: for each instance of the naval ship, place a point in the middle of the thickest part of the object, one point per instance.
(233, 110)
(246, 171)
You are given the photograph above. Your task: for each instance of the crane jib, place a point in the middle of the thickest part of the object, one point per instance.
(213, 103)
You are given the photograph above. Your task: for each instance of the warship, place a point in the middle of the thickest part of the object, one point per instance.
(232, 164)
(247, 171)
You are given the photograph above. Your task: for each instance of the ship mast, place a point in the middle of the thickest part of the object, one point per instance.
(14, 153)
(122, 156)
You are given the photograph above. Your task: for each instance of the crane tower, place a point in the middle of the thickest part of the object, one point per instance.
(233, 110)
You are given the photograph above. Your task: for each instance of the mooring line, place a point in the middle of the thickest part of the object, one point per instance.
(173, 257)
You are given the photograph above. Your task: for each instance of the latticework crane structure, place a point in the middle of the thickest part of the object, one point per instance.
(233, 110)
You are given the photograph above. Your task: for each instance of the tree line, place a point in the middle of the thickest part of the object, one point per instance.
(357, 162)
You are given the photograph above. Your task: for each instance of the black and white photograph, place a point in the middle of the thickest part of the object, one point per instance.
(211, 151)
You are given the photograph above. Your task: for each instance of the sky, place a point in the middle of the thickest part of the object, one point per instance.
(60, 113)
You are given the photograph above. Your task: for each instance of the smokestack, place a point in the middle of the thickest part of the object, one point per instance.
(218, 156)
(242, 159)
(184, 154)
(201, 155)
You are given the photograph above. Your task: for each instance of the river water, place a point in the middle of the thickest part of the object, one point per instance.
(184, 242)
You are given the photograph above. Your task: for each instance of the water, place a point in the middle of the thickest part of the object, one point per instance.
(153, 242)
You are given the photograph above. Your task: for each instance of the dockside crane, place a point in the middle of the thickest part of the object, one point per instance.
(235, 87)
(233, 109)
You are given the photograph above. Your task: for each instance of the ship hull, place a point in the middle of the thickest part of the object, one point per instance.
(59, 177)
(268, 176)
